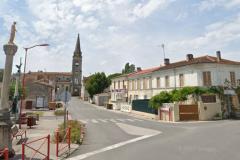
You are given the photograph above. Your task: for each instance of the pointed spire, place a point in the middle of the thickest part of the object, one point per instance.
(78, 51)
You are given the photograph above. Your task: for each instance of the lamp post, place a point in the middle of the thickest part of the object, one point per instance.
(23, 80)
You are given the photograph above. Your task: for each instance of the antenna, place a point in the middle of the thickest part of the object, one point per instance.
(163, 47)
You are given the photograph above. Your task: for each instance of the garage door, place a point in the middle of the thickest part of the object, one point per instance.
(188, 112)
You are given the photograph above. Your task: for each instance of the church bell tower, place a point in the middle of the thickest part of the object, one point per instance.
(77, 69)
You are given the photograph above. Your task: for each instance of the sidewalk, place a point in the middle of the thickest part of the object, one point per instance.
(47, 124)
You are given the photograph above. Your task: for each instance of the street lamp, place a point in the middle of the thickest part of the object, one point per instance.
(23, 80)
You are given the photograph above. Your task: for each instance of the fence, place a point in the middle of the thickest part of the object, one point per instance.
(66, 138)
(35, 151)
(142, 105)
(4, 154)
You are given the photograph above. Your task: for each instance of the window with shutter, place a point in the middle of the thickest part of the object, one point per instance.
(166, 81)
(233, 78)
(207, 80)
(181, 80)
(158, 82)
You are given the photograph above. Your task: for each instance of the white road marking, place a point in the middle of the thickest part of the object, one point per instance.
(130, 129)
(83, 121)
(112, 120)
(131, 120)
(83, 156)
(103, 120)
(94, 121)
(122, 120)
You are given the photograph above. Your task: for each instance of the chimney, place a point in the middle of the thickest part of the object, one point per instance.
(189, 57)
(166, 61)
(139, 69)
(219, 58)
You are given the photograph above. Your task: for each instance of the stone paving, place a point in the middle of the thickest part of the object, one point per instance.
(45, 126)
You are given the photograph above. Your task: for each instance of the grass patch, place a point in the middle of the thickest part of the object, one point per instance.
(59, 112)
(75, 131)
(40, 113)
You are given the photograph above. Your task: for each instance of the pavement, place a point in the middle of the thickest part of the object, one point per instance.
(111, 135)
(47, 124)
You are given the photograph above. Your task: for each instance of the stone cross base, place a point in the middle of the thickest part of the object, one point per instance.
(5, 131)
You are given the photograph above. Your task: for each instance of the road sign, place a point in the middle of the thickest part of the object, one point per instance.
(65, 96)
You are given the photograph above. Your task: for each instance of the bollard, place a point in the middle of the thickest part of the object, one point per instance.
(48, 147)
(57, 141)
(69, 137)
(23, 151)
(6, 153)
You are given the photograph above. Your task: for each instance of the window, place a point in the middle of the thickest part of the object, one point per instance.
(123, 84)
(145, 96)
(181, 80)
(233, 78)
(207, 81)
(166, 81)
(118, 84)
(158, 82)
(114, 85)
(76, 81)
(138, 84)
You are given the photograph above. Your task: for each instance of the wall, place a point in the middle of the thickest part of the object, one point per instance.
(125, 107)
(208, 110)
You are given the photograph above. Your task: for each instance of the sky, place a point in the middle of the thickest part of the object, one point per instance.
(113, 32)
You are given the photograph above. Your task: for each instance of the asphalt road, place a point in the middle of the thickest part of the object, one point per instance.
(118, 136)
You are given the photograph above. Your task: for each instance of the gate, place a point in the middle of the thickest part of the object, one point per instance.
(188, 112)
(37, 153)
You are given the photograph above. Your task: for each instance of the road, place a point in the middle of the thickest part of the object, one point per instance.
(118, 136)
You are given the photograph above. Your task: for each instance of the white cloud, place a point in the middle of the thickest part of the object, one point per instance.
(211, 4)
(144, 10)
(218, 35)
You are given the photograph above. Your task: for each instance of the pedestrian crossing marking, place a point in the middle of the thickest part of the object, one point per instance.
(103, 120)
(94, 121)
(109, 120)
(112, 120)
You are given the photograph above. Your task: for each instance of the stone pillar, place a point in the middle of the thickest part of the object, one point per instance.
(5, 121)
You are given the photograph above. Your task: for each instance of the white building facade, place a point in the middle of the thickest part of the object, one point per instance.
(204, 71)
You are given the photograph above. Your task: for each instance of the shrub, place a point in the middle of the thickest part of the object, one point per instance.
(75, 131)
(158, 100)
(59, 112)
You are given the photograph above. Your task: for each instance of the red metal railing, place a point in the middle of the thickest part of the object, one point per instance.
(65, 142)
(35, 151)
(4, 153)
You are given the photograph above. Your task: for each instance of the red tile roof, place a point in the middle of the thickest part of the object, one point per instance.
(197, 60)
(145, 71)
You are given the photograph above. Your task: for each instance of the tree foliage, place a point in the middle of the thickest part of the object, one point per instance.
(12, 91)
(158, 100)
(97, 83)
(179, 95)
(128, 68)
(111, 76)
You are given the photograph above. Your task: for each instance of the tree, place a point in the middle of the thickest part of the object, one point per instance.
(111, 76)
(97, 83)
(12, 90)
(128, 68)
